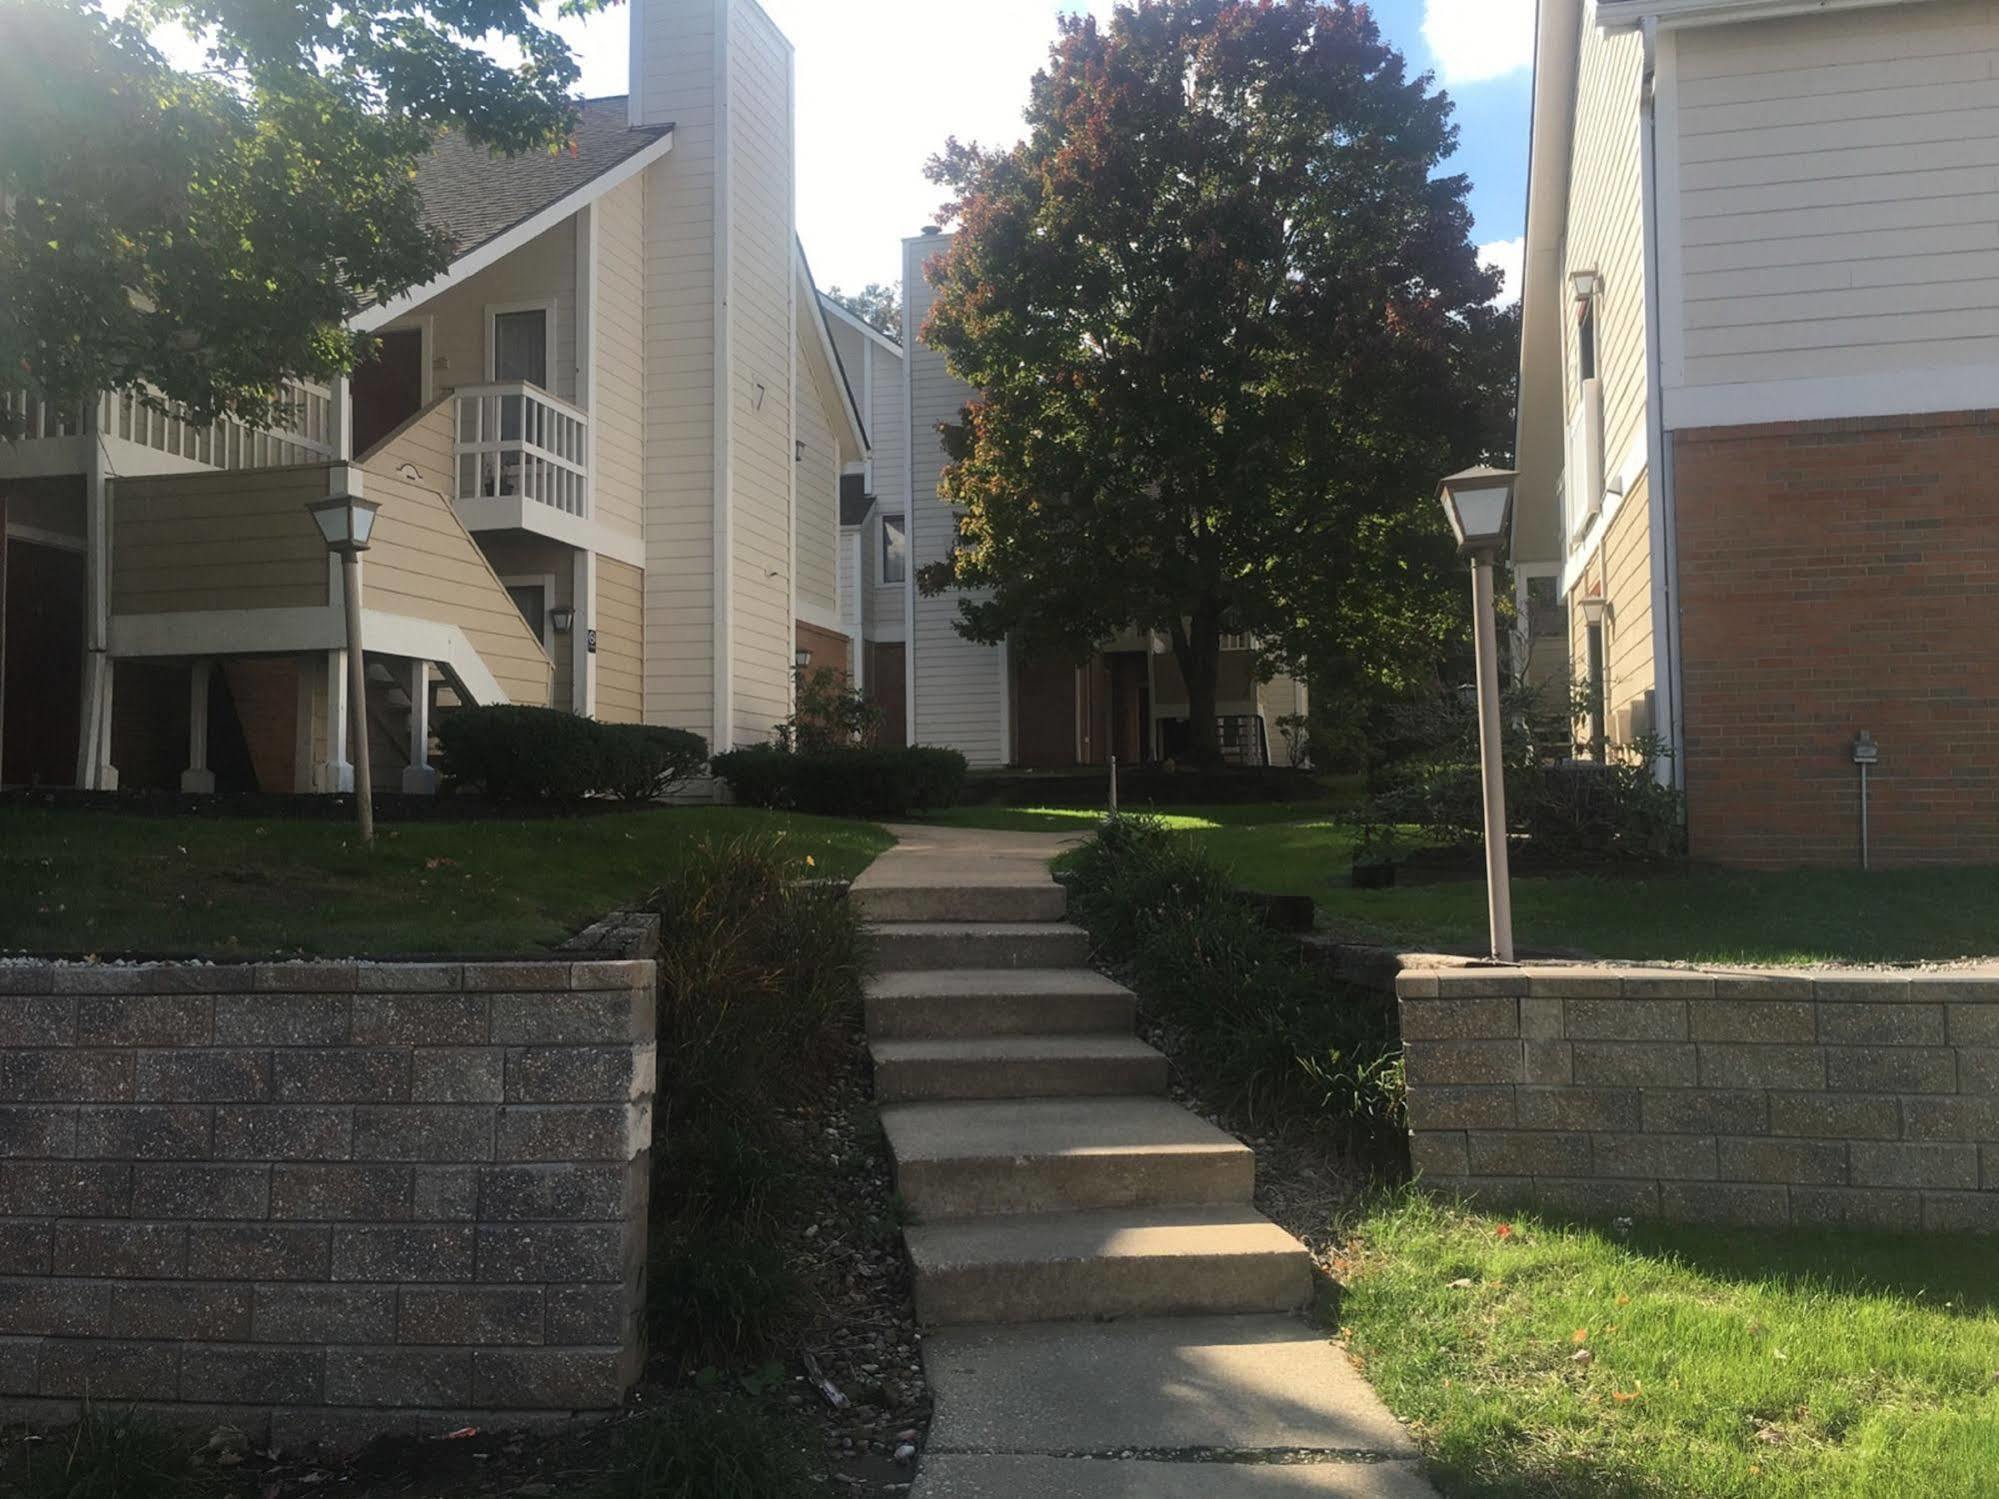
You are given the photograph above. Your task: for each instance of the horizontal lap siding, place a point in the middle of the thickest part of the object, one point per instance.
(1839, 194)
(617, 394)
(1606, 235)
(543, 269)
(959, 685)
(678, 86)
(424, 564)
(194, 542)
(1622, 573)
(620, 642)
(818, 518)
(762, 354)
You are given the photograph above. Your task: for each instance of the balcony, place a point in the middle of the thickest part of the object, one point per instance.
(523, 461)
(146, 435)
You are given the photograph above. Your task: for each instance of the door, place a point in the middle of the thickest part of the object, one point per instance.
(532, 600)
(520, 346)
(388, 389)
(888, 690)
(43, 663)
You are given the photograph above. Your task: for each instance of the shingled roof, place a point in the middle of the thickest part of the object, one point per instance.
(474, 195)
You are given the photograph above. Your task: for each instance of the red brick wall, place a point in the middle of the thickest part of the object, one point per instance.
(1838, 576)
(827, 648)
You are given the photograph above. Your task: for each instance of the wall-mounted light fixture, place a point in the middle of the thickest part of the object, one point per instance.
(801, 658)
(563, 617)
(798, 451)
(1586, 283)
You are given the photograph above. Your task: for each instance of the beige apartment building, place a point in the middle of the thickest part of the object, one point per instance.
(607, 446)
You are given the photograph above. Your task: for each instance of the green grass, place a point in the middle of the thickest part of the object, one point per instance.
(1722, 1362)
(1689, 914)
(110, 884)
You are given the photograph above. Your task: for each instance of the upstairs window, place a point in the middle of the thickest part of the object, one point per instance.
(520, 346)
(895, 550)
(1586, 339)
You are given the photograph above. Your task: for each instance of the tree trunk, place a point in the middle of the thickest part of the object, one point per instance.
(1197, 646)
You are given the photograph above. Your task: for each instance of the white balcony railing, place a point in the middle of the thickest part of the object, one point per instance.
(516, 441)
(304, 434)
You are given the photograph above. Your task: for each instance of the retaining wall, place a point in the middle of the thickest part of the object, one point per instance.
(324, 1198)
(1828, 1099)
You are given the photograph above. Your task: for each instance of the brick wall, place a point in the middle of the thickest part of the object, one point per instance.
(1838, 576)
(1856, 1099)
(828, 649)
(324, 1197)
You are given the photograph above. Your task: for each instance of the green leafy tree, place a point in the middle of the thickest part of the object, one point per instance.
(210, 233)
(877, 304)
(1228, 328)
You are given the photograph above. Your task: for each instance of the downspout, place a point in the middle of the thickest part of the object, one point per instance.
(1658, 454)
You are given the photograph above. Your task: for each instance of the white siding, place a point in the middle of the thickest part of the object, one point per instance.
(763, 355)
(676, 73)
(960, 687)
(1837, 180)
(818, 519)
(1605, 234)
(617, 391)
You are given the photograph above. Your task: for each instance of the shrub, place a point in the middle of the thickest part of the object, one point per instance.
(115, 1454)
(830, 714)
(758, 967)
(700, 1446)
(518, 754)
(643, 762)
(844, 782)
(722, 1290)
(1267, 1032)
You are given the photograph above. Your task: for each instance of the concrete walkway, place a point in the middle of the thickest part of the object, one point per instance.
(1108, 1315)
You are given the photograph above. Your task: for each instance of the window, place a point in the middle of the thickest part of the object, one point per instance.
(895, 550)
(520, 346)
(1586, 340)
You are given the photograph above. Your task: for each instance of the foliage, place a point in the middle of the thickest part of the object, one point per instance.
(642, 762)
(115, 1454)
(700, 1446)
(829, 713)
(759, 964)
(759, 968)
(1228, 328)
(1722, 1362)
(521, 754)
(211, 233)
(877, 304)
(844, 782)
(1269, 1033)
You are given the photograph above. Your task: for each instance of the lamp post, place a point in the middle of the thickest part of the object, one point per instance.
(1479, 502)
(347, 522)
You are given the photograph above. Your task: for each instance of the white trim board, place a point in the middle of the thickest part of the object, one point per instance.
(1971, 387)
(823, 619)
(859, 324)
(503, 244)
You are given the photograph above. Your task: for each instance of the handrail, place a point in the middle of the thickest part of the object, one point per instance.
(515, 439)
(163, 426)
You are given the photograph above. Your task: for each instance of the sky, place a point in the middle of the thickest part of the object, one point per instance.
(882, 83)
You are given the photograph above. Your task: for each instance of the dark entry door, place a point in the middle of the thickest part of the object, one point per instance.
(388, 389)
(43, 664)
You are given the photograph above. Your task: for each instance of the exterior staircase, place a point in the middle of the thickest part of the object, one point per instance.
(1047, 1175)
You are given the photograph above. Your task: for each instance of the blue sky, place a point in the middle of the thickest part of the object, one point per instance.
(881, 83)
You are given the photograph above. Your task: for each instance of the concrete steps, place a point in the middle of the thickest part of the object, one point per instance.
(1136, 1262)
(966, 1002)
(1016, 1067)
(1004, 902)
(904, 945)
(1040, 1155)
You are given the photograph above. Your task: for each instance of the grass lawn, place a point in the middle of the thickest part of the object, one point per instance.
(111, 884)
(1722, 1362)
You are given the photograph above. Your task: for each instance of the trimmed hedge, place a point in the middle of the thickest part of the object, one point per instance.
(517, 754)
(844, 782)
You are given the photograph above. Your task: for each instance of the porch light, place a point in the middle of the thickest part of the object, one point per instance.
(1594, 607)
(346, 521)
(801, 659)
(563, 617)
(1479, 502)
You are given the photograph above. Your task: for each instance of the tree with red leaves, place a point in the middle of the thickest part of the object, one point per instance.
(1228, 328)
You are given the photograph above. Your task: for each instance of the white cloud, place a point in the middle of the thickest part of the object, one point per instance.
(1509, 255)
(1476, 40)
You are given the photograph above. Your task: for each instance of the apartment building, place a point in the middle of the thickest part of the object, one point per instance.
(1760, 362)
(607, 446)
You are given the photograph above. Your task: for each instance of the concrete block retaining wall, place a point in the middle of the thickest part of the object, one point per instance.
(1830, 1099)
(324, 1198)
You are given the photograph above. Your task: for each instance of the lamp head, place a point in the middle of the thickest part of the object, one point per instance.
(1594, 607)
(346, 521)
(1479, 503)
